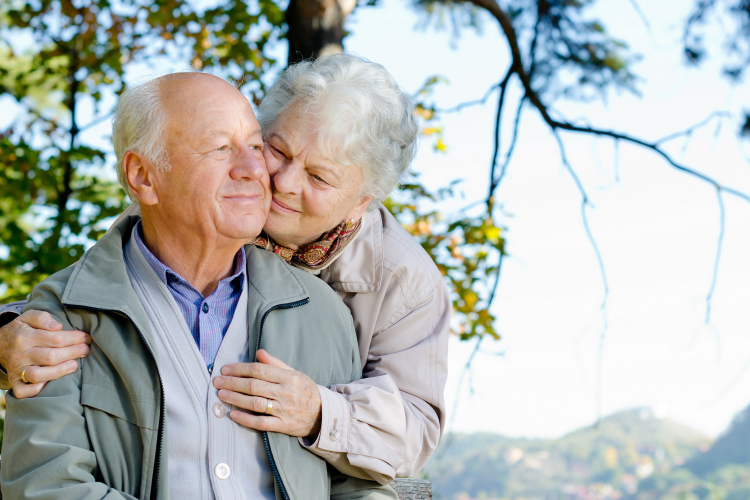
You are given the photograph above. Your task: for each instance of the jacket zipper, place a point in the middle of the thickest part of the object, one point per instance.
(266, 443)
(159, 435)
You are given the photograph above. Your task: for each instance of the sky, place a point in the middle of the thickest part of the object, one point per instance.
(657, 230)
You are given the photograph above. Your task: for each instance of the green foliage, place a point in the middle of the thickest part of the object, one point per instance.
(56, 56)
(466, 249)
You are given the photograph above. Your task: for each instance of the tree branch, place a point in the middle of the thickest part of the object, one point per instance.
(498, 121)
(517, 67)
(605, 283)
(476, 102)
(512, 147)
(719, 244)
(689, 131)
(640, 13)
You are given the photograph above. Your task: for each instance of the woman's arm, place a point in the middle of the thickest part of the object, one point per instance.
(389, 423)
(37, 343)
(46, 449)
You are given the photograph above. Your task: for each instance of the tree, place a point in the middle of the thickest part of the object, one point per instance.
(58, 190)
(58, 56)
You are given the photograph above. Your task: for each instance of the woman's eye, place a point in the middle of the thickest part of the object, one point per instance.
(222, 148)
(318, 178)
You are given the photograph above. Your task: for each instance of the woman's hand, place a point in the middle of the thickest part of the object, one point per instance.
(296, 409)
(36, 343)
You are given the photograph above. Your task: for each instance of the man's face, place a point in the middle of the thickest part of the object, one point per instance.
(218, 186)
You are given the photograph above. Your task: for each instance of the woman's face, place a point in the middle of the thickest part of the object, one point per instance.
(311, 194)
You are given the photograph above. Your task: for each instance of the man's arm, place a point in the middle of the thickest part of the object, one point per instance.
(35, 342)
(46, 449)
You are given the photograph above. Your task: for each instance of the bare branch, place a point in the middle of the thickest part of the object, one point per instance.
(605, 283)
(498, 121)
(95, 121)
(467, 104)
(689, 131)
(512, 147)
(719, 244)
(517, 66)
(640, 13)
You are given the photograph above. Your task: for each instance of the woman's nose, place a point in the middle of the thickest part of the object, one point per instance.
(248, 164)
(286, 178)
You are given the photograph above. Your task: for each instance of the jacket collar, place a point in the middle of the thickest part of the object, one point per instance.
(359, 268)
(100, 279)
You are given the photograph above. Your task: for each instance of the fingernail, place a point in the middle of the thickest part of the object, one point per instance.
(218, 382)
(225, 370)
(87, 339)
(84, 350)
(53, 324)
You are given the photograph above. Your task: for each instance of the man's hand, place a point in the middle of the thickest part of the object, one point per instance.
(295, 397)
(35, 342)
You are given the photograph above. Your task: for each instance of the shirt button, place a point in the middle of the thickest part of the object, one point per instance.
(222, 471)
(334, 434)
(205, 308)
(219, 410)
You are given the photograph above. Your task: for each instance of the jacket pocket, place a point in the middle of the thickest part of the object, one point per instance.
(137, 410)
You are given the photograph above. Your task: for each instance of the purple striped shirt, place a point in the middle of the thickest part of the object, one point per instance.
(207, 318)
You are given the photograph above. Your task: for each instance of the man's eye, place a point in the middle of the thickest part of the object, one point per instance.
(222, 148)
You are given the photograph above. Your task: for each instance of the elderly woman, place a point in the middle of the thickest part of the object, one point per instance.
(339, 135)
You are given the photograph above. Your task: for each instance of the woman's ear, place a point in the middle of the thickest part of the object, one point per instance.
(359, 209)
(139, 173)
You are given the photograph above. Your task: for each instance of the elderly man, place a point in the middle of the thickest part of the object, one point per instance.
(167, 297)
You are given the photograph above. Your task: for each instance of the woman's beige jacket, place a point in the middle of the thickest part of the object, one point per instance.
(389, 423)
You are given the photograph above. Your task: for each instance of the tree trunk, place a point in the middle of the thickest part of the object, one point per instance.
(316, 27)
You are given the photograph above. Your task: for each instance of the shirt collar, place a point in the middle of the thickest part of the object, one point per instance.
(165, 273)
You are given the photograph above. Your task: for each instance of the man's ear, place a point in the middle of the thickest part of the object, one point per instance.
(356, 213)
(139, 173)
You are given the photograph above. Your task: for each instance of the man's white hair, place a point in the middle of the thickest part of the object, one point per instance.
(138, 125)
(362, 116)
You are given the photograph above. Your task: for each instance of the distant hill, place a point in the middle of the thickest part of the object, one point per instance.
(617, 459)
(732, 447)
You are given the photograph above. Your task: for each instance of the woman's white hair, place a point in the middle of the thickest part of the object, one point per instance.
(363, 118)
(138, 125)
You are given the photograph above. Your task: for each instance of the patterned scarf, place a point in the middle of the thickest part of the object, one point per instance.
(318, 254)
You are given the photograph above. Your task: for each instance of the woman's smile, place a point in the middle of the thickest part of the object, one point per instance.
(281, 207)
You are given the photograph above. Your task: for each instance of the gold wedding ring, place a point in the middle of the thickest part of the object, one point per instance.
(269, 407)
(23, 376)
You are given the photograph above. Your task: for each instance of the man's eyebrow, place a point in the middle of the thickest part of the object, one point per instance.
(213, 134)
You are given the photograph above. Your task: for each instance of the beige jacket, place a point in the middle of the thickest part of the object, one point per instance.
(389, 423)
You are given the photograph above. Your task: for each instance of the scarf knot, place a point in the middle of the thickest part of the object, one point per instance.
(316, 255)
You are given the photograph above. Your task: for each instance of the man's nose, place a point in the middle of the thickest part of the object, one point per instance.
(248, 164)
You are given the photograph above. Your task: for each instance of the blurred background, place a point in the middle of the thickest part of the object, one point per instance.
(583, 182)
